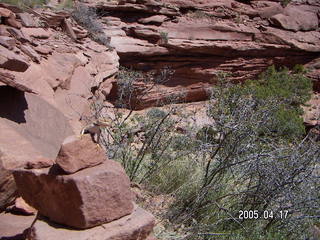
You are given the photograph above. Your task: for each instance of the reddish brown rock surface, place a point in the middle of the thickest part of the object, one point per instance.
(12, 61)
(136, 226)
(77, 153)
(21, 207)
(7, 186)
(14, 226)
(205, 37)
(31, 123)
(88, 198)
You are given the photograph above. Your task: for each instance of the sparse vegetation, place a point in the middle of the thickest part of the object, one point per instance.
(200, 14)
(252, 160)
(285, 2)
(255, 156)
(88, 18)
(164, 37)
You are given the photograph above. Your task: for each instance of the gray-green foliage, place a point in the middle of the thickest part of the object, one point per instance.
(88, 18)
(255, 157)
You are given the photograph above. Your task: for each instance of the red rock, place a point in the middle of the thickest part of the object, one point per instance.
(311, 116)
(11, 21)
(7, 42)
(268, 12)
(45, 50)
(69, 29)
(37, 32)
(12, 61)
(25, 120)
(3, 31)
(66, 63)
(73, 100)
(22, 208)
(136, 226)
(296, 20)
(80, 33)
(79, 153)
(10, 80)
(39, 163)
(17, 34)
(157, 19)
(55, 19)
(4, 12)
(85, 199)
(14, 226)
(27, 20)
(7, 186)
(12, 8)
(28, 50)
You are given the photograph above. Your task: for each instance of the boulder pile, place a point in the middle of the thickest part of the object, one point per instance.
(82, 196)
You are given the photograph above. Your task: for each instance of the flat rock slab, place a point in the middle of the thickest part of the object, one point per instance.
(27, 20)
(85, 199)
(12, 61)
(37, 32)
(77, 153)
(136, 226)
(13, 226)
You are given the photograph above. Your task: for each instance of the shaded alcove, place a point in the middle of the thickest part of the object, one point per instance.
(12, 104)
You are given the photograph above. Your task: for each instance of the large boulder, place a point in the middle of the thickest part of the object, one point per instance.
(85, 199)
(136, 226)
(295, 19)
(31, 128)
(79, 153)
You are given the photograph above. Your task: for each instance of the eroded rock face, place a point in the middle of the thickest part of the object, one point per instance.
(85, 199)
(198, 39)
(77, 153)
(136, 226)
(31, 123)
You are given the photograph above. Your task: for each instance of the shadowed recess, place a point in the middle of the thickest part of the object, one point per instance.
(12, 104)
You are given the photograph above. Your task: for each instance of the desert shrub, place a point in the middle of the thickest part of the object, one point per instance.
(256, 156)
(200, 14)
(285, 2)
(127, 92)
(133, 86)
(88, 18)
(164, 36)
